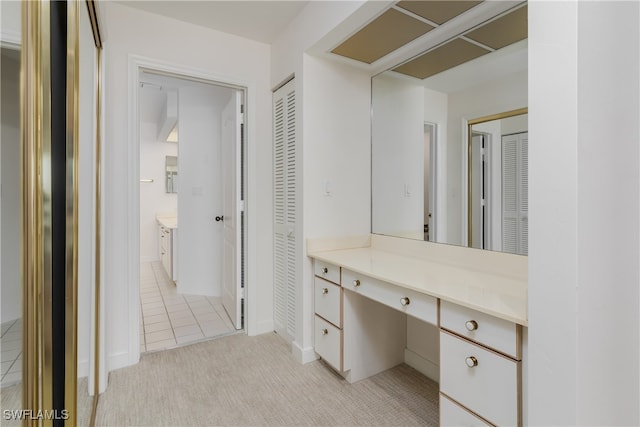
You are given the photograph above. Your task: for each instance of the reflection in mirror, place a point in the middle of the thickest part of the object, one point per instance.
(498, 183)
(171, 174)
(424, 182)
(11, 338)
(88, 154)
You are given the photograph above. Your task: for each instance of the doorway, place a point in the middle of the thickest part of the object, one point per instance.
(191, 191)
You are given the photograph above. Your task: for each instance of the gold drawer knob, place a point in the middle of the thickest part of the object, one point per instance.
(324, 332)
(325, 291)
(324, 270)
(356, 283)
(405, 301)
(471, 361)
(471, 325)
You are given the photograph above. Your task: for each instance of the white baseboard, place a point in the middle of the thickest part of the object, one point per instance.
(261, 327)
(426, 367)
(303, 355)
(83, 368)
(119, 360)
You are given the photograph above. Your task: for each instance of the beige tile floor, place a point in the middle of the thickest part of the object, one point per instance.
(11, 349)
(169, 319)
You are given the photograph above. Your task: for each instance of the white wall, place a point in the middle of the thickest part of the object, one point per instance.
(200, 191)
(397, 141)
(507, 94)
(584, 254)
(336, 145)
(133, 32)
(10, 13)
(332, 107)
(10, 167)
(154, 200)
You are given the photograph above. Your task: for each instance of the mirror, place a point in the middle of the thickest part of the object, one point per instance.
(428, 127)
(11, 337)
(498, 182)
(171, 174)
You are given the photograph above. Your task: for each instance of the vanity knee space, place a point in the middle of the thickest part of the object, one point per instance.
(364, 325)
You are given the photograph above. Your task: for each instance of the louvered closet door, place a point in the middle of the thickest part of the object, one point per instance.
(285, 210)
(515, 193)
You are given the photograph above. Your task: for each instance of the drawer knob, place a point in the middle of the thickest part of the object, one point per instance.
(325, 291)
(405, 301)
(324, 270)
(356, 283)
(471, 325)
(324, 332)
(471, 361)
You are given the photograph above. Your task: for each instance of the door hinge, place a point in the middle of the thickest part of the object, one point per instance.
(242, 293)
(241, 205)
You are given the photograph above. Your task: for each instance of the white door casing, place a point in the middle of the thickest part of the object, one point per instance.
(231, 209)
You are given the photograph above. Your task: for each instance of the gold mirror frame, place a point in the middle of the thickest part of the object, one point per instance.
(36, 225)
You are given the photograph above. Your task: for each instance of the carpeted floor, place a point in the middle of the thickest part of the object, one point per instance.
(254, 381)
(11, 399)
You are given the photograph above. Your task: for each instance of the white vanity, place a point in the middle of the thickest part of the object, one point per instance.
(366, 286)
(168, 242)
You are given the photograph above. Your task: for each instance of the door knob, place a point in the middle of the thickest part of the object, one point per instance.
(219, 218)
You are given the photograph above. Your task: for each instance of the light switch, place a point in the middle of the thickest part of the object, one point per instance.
(326, 188)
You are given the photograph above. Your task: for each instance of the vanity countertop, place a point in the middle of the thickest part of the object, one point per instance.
(168, 221)
(500, 295)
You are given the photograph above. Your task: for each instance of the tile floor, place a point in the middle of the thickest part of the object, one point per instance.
(169, 319)
(11, 349)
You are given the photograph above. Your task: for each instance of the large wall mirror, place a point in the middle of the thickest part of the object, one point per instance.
(449, 139)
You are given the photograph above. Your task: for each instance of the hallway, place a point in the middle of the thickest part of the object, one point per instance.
(169, 319)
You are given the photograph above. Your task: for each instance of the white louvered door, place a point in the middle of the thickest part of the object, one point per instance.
(285, 210)
(515, 193)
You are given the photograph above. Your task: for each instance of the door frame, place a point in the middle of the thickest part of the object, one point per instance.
(135, 66)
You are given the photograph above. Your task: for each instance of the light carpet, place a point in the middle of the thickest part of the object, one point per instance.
(254, 381)
(11, 399)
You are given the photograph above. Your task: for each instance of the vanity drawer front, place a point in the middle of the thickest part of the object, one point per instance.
(328, 301)
(485, 329)
(328, 342)
(421, 306)
(454, 415)
(327, 271)
(490, 388)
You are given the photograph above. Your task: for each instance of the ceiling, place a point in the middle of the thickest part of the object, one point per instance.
(409, 20)
(154, 88)
(261, 21)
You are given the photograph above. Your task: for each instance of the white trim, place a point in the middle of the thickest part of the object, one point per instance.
(135, 65)
(303, 355)
(118, 360)
(425, 366)
(262, 327)
(10, 39)
(464, 194)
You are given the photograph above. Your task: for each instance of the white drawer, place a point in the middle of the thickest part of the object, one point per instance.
(328, 342)
(327, 301)
(490, 389)
(421, 306)
(485, 329)
(454, 415)
(327, 271)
